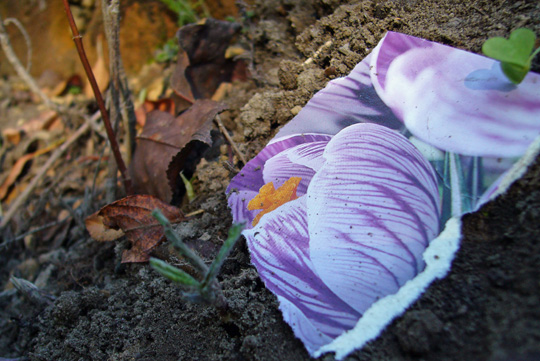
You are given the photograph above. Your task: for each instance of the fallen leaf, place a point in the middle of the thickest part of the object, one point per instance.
(44, 121)
(168, 143)
(179, 83)
(222, 91)
(202, 64)
(19, 166)
(164, 145)
(131, 216)
(95, 225)
(17, 190)
(165, 105)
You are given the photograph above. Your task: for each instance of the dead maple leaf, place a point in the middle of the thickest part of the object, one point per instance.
(131, 216)
(164, 145)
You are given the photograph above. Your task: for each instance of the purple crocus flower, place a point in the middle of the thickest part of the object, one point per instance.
(368, 202)
(454, 100)
(368, 206)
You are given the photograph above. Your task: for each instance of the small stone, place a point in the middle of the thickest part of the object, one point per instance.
(296, 110)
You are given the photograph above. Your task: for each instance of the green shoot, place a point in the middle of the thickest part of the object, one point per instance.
(208, 289)
(180, 246)
(173, 273)
(515, 53)
(189, 188)
(234, 234)
(186, 10)
(168, 52)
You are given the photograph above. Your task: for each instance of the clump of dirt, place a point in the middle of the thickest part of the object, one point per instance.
(488, 308)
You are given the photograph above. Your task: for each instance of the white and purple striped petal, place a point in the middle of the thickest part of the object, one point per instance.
(247, 183)
(455, 100)
(368, 201)
(279, 246)
(372, 210)
(302, 160)
(344, 101)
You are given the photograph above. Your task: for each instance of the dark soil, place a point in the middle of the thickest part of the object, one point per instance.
(488, 308)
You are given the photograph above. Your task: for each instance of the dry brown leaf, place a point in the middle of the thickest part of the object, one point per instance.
(44, 121)
(165, 143)
(17, 190)
(132, 216)
(165, 105)
(96, 227)
(180, 84)
(202, 64)
(19, 165)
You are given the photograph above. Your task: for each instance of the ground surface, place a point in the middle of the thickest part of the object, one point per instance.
(488, 308)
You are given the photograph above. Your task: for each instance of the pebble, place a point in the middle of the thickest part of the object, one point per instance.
(296, 110)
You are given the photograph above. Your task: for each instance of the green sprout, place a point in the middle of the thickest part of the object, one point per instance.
(189, 187)
(186, 10)
(205, 289)
(515, 53)
(168, 52)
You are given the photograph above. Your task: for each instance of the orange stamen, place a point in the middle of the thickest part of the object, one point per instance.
(270, 198)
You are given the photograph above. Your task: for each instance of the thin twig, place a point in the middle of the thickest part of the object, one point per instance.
(26, 37)
(77, 38)
(317, 52)
(229, 139)
(32, 231)
(21, 71)
(121, 105)
(95, 126)
(19, 201)
(195, 213)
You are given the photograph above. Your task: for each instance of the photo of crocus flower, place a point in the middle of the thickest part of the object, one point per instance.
(342, 204)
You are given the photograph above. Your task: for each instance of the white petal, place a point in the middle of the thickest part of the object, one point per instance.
(455, 100)
(279, 251)
(298, 161)
(372, 210)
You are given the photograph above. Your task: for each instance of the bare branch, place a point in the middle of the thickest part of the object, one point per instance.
(229, 139)
(77, 38)
(121, 105)
(23, 31)
(21, 71)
